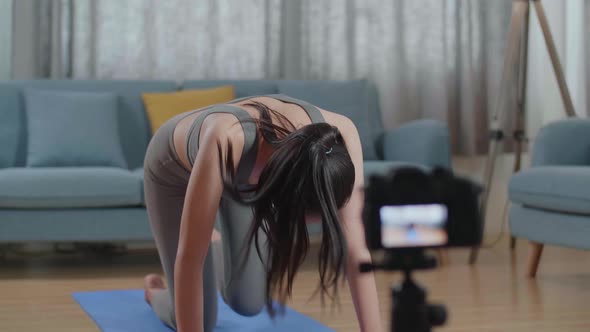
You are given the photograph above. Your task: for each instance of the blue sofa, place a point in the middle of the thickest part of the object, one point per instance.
(105, 204)
(551, 200)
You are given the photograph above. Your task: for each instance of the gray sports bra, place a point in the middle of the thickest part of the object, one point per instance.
(250, 151)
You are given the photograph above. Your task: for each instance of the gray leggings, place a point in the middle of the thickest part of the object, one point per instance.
(165, 184)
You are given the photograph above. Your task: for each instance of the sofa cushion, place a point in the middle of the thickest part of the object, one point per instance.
(243, 88)
(68, 187)
(379, 167)
(555, 188)
(133, 124)
(349, 98)
(11, 125)
(73, 129)
(163, 106)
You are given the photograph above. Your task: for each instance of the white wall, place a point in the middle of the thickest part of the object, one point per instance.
(544, 103)
(5, 39)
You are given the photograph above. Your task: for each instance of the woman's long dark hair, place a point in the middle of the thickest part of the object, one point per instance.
(309, 171)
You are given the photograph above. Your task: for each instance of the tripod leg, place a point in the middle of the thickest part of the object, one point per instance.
(512, 242)
(519, 130)
(519, 9)
(565, 94)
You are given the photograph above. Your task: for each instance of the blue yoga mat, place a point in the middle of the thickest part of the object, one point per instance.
(127, 311)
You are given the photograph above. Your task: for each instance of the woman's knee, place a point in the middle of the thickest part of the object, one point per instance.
(245, 305)
(245, 291)
(244, 277)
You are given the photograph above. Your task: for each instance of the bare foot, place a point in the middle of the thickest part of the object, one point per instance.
(151, 283)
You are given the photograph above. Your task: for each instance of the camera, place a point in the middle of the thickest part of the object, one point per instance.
(413, 208)
(408, 211)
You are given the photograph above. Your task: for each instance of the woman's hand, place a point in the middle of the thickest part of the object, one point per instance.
(200, 208)
(362, 285)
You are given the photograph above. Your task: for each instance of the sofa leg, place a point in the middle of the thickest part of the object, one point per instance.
(473, 255)
(535, 251)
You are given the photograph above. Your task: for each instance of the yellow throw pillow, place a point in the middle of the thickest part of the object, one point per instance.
(161, 107)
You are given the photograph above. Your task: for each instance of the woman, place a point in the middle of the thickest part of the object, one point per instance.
(267, 165)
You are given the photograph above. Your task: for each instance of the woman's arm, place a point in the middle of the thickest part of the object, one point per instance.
(200, 208)
(362, 286)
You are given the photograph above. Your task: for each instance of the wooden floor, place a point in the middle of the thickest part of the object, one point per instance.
(494, 295)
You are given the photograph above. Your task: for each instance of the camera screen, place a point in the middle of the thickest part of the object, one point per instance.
(413, 225)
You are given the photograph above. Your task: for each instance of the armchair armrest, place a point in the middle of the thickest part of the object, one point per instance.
(424, 142)
(565, 142)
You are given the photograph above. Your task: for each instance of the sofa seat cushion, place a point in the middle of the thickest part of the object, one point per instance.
(554, 188)
(380, 167)
(69, 187)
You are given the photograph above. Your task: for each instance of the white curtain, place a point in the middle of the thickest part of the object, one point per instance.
(583, 95)
(429, 58)
(180, 39)
(570, 24)
(585, 32)
(5, 38)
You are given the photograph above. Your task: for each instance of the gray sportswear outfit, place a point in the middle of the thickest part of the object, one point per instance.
(165, 185)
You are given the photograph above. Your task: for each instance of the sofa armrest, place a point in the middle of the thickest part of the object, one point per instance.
(565, 142)
(424, 142)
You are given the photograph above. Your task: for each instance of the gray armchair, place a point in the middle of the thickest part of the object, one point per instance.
(551, 200)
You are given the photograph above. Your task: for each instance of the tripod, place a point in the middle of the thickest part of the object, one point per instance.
(410, 311)
(516, 56)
